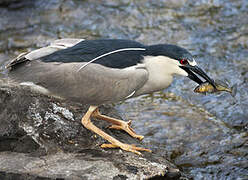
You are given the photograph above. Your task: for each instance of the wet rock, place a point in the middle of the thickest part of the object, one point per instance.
(42, 138)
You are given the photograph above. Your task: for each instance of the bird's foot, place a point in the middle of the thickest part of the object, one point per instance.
(114, 143)
(126, 147)
(125, 126)
(117, 124)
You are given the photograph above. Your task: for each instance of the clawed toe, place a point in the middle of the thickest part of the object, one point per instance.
(125, 126)
(117, 124)
(126, 147)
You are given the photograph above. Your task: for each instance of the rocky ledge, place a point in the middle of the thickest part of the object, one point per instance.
(42, 138)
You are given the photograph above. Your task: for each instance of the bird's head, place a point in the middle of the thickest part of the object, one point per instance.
(179, 61)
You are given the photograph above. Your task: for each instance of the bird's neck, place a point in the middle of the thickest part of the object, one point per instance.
(160, 74)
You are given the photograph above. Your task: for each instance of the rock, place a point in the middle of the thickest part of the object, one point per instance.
(42, 138)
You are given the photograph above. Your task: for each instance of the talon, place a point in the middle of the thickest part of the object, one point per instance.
(115, 127)
(117, 124)
(139, 137)
(128, 129)
(126, 147)
(109, 146)
(129, 122)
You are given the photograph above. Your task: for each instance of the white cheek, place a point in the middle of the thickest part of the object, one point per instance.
(163, 66)
(180, 71)
(177, 70)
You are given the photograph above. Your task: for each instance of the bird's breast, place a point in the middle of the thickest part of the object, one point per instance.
(156, 82)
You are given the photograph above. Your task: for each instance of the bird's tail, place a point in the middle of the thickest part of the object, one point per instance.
(19, 59)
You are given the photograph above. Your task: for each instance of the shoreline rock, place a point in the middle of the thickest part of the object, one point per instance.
(42, 137)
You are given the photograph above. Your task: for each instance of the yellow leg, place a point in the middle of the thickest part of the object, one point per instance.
(117, 124)
(114, 143)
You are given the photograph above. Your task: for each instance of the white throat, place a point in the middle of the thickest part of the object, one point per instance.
(161, 70)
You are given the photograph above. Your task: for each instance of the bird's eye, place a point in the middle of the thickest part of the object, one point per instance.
(184, 61)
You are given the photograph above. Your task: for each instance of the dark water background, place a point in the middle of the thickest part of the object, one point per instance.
(206, 136)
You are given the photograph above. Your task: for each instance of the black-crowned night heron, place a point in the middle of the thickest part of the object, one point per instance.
(104, 71)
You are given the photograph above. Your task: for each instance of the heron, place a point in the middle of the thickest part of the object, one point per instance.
(103, 71)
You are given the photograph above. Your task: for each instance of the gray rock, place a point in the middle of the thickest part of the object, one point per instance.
(42, 138)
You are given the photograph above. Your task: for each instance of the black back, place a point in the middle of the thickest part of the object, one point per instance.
(87, 50)
(90, 49)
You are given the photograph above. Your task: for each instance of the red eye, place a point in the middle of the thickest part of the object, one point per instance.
(183, 61)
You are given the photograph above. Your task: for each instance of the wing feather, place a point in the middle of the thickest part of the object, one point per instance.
(56, 45)
(94, 85)
(96, 50)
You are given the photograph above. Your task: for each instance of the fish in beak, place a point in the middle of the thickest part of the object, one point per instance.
(193, 71)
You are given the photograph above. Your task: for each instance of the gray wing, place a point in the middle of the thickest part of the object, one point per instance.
(45, 51)
(94, 84)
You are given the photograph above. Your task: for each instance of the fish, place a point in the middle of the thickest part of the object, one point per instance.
(206, 87)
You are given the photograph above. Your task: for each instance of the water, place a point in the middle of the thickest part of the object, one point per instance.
(206, 136)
